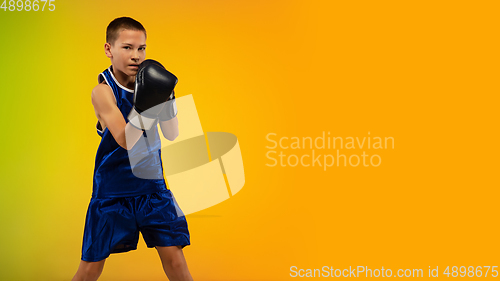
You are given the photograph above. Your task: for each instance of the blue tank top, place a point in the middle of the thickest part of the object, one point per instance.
(122, 173)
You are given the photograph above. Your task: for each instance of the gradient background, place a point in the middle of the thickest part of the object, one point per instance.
(423, 72)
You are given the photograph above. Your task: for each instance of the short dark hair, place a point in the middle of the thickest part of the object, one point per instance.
(118, 24)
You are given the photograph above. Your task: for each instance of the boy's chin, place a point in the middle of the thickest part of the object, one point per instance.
(131, 72)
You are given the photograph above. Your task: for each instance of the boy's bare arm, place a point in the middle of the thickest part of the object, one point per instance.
(105, 107)
(170, 128)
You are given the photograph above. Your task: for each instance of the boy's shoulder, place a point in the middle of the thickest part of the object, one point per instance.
(101, 88)
(102, 92)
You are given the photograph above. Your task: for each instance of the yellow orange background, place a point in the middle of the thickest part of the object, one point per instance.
(422, 72)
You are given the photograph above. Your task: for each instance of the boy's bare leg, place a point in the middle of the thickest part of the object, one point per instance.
(174, 263)
(89, 271)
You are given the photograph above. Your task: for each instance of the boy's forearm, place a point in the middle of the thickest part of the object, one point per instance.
(170, 128)
(130, 137)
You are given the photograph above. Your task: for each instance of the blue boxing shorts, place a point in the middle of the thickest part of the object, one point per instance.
(112, 225)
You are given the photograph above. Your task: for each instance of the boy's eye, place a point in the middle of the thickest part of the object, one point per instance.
(126, 47)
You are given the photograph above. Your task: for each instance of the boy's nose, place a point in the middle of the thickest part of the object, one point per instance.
(135, 55)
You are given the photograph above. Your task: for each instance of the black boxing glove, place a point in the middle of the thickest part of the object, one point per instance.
(169, 111)
(154, 85)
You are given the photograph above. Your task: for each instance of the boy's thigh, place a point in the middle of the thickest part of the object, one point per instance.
(110, 228)
(161, 221)
(170, 253)
(95, 266)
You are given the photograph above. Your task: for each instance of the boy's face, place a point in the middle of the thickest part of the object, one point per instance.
(128, 51)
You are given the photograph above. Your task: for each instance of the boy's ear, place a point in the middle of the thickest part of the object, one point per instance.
(107, 50)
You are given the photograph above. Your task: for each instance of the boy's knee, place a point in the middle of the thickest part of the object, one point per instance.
(177, 263)
(93, 271)
(171, 257)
